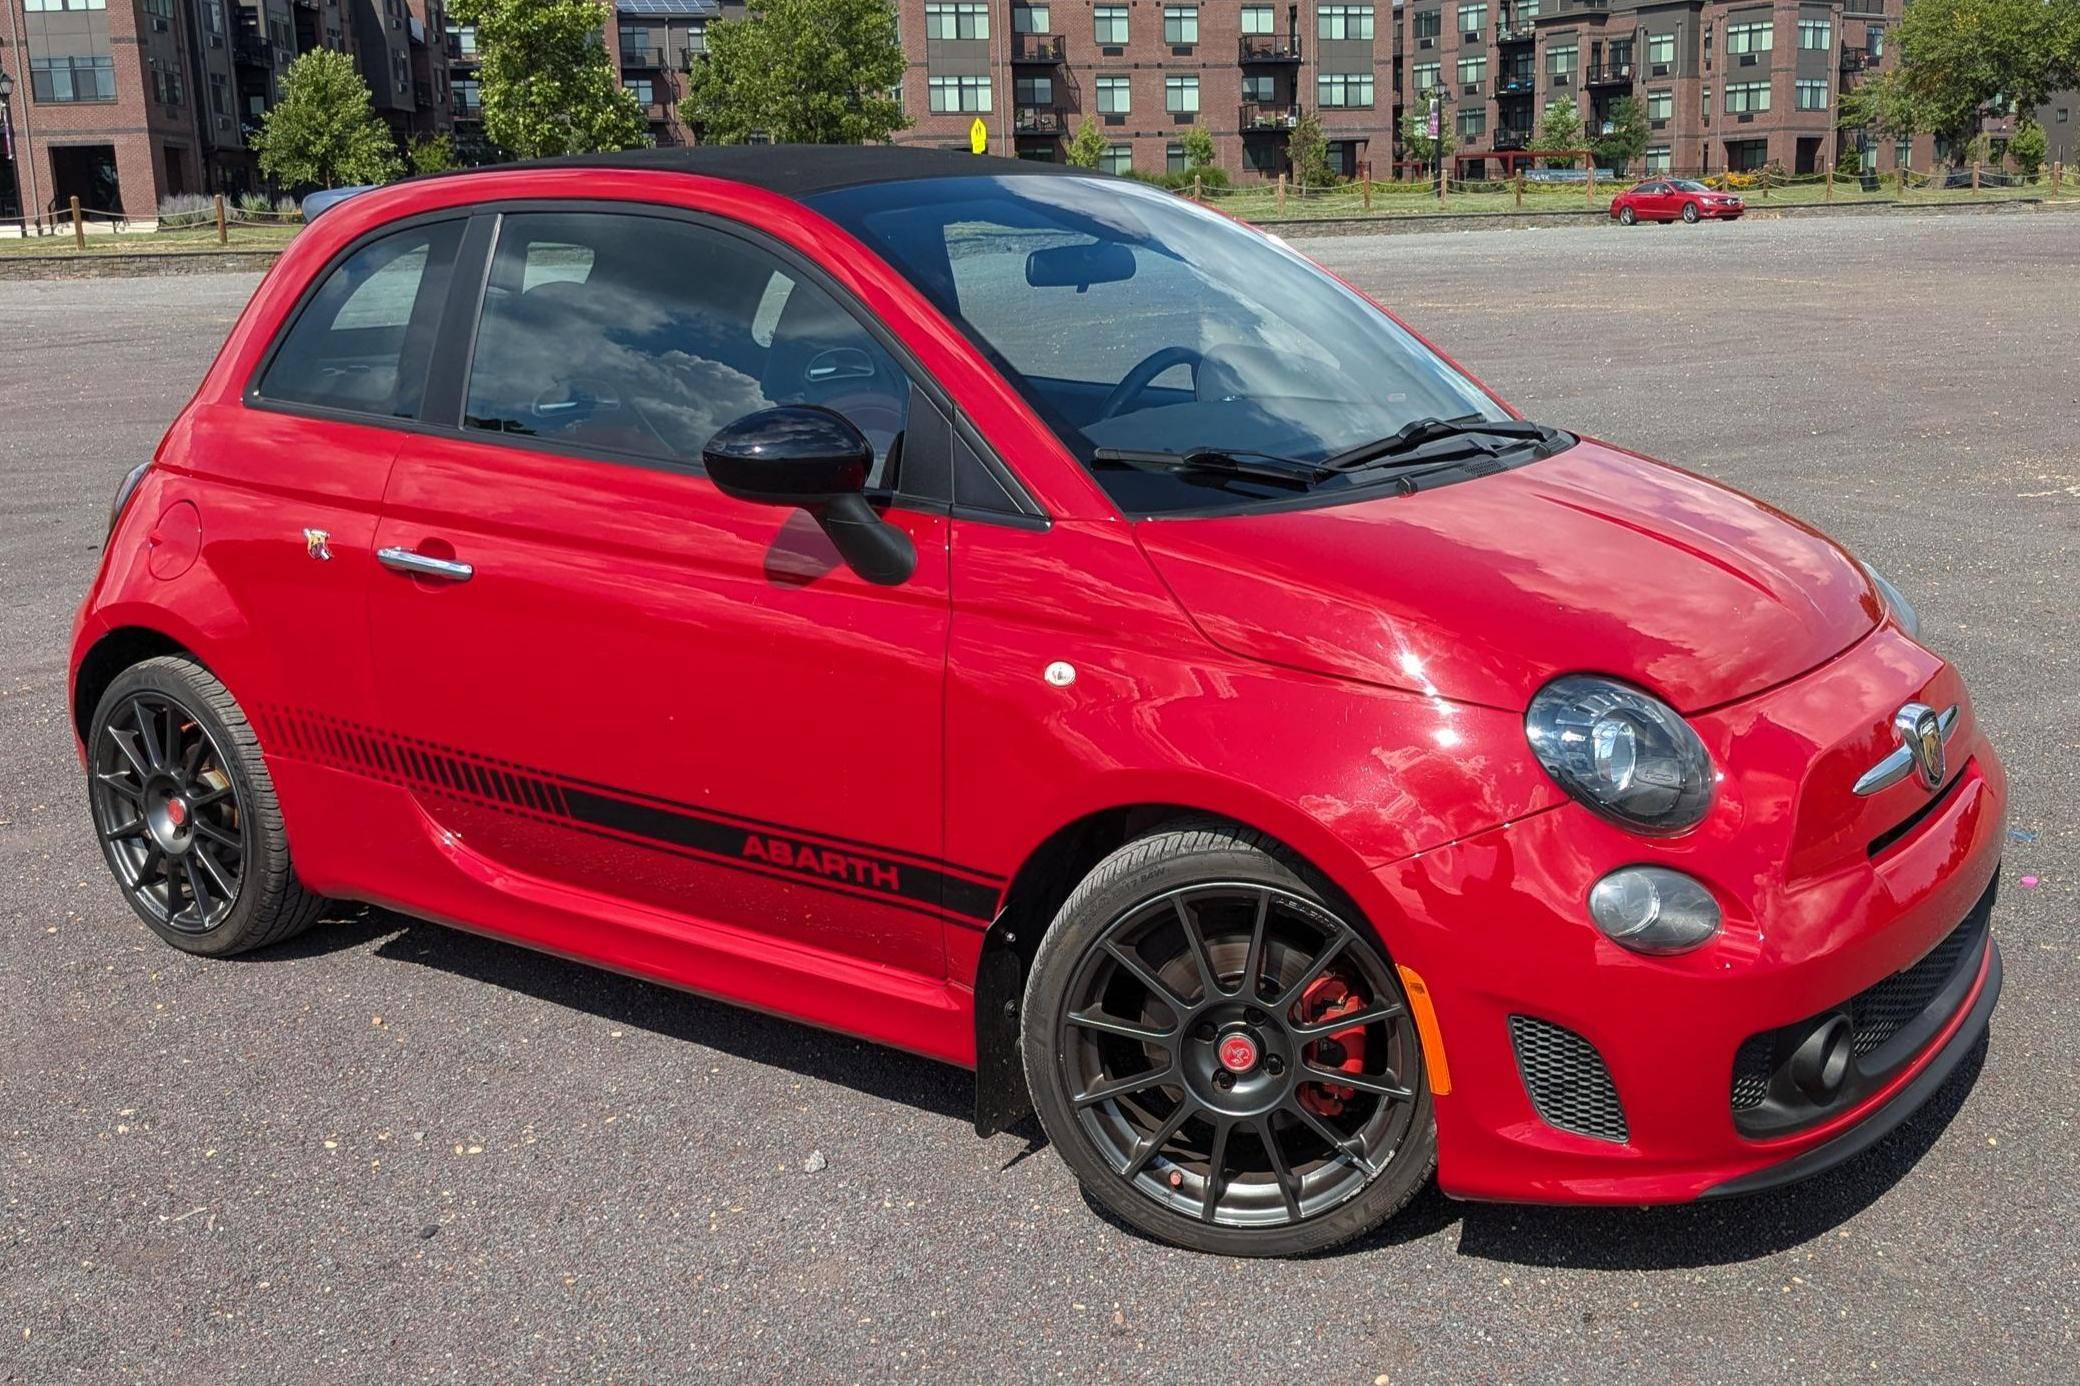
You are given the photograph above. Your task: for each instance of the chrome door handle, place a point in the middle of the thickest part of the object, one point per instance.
(424, 565)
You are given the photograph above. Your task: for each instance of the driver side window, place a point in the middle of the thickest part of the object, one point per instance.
(642, 336)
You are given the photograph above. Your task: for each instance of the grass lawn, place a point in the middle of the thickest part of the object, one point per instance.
(185, 242)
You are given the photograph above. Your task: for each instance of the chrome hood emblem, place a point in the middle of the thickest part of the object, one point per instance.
(1924, 738)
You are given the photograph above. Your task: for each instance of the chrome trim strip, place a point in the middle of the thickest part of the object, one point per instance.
(1891, 770)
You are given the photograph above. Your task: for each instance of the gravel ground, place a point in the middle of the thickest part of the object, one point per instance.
(391, 1150)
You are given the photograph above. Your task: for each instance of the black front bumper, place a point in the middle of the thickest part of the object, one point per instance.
(1897, 1109)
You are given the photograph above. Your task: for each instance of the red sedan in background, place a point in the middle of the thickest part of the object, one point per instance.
(1023, 617)
(1672, 199)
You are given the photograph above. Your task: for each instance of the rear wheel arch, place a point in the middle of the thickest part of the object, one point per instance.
(1046, 879)
(110, 654)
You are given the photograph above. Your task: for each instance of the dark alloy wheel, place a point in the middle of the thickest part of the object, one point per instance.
(1690, 212)
(1229, 1063)
(1626, 216)
(186, 812)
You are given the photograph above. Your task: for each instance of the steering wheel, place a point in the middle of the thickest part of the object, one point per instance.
(1143, 375)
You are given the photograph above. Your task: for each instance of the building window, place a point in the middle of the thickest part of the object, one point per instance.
(1706, 104)
(697, 36)
(1033, 91)
(1562, 60)
(1661, 104)
(2063, 114)
(1424, 77)
(1109, 24)
(956, 19)
(1527, 9)
(1031, 19)
(1257, 19)
(1472, 18)
(1181, 95)
(1258, 88)
(1746, 98)
(1344, 91)
(1758, 37)
(1115, 96)
(1117, 158)
(959, 93)
(641, 89)
(1180, 24)
(1428, 22)
(1657, 159)
(1473, 71)
(1173, 159)
(161, 12)
(1874, 41)
(1345, 22)
(1816, 33)
(1473, 124)
(1811, 95)
(1661, 49)
(54, 6)
(73, 79)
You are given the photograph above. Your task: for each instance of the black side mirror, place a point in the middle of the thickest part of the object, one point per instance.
(808, 456)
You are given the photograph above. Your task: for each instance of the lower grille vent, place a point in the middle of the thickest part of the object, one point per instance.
(1567, 1079)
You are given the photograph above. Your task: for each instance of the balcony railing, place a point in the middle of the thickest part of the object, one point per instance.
(1513, 31)
(642, 57)
(1036, 48)
(1506, 140)
(1520, 85)
(252, 49)
(1038, 120)
(1269, 48)
(1262, 115)
(690, 57)
(460, 58)
(1608, 75)
(1855, 59)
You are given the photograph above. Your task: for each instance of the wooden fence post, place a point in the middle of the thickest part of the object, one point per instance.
(1975, 175)
(1198, 189)
(222, 235)
(79, 228)
(1589, 179)
(1519, 180)
(1906, 166)
(1365, 190)
(2056, 169)
(1827, 166)
(1281, 194)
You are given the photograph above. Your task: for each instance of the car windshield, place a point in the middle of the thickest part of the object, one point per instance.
(1138, 323)
(1688, 185)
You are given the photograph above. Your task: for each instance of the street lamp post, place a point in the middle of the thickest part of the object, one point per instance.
(7, 130)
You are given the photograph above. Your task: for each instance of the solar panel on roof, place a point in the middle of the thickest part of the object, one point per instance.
(694, 9)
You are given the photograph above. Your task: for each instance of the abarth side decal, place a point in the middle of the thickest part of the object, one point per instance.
(840, 865)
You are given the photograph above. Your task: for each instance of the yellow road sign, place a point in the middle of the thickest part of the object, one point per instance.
(978, 137)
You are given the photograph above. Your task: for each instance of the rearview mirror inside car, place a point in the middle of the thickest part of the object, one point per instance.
(1059, 266)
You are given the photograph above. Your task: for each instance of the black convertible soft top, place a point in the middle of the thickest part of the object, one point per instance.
(798, 170)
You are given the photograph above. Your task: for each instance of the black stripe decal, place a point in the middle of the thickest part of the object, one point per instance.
(820, 861)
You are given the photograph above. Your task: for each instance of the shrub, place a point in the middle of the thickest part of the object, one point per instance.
(186, 209)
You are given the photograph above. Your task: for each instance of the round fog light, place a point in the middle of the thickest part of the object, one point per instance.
(1651, 909)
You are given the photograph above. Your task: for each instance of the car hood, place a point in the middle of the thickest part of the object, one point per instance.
(1592, 560)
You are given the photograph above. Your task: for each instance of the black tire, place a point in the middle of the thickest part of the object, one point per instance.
(1690, 213)
(1153, 1151)
(186, 813)
(1626, 216)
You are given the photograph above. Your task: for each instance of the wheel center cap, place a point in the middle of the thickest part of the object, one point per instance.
(176, 812)
(1238, 1053)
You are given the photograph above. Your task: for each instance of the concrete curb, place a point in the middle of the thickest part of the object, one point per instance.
(134, 264)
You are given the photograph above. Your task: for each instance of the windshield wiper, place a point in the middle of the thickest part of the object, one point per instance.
(1418, 442)
(1269, 467)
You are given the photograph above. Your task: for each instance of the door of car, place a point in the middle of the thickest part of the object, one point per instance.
(605, 674)
(1650, 200)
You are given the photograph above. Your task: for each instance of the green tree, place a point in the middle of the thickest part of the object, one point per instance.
(1308, 152)
(1087, 146)
(547, 86)
(1198, 149)
(1965, 60)
(433, 154)
(1559, 128)
(2027, 147)
(1626, 140)
(1415, 138)
(1883, 106)
(324, 132)
(800, 72)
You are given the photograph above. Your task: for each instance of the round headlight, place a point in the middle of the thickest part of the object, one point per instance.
(1902, 609)
(1651, 909)
(1621, 752)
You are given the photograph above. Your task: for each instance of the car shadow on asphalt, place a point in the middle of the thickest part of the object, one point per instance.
(634, 1003)
(1662, 1238)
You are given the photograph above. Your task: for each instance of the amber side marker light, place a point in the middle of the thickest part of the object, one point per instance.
(1426, 1030)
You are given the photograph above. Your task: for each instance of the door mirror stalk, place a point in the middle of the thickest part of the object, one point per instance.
(812, 458)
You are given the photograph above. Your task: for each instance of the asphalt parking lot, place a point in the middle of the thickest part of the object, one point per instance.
(389, 1150)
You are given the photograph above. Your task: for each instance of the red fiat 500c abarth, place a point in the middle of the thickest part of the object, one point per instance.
(1022, 617)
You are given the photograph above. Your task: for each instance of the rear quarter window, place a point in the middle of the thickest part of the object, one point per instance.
(361, 342)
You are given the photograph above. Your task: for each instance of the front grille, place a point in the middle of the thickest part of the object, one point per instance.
(1567, 1079)
(1881, 1010)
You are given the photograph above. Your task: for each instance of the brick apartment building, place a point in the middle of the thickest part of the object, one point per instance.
(123, 102)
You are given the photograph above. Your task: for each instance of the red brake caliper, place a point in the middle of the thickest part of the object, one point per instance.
(1329, 997)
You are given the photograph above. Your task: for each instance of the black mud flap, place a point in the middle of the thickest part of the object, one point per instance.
(1000, 1076)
